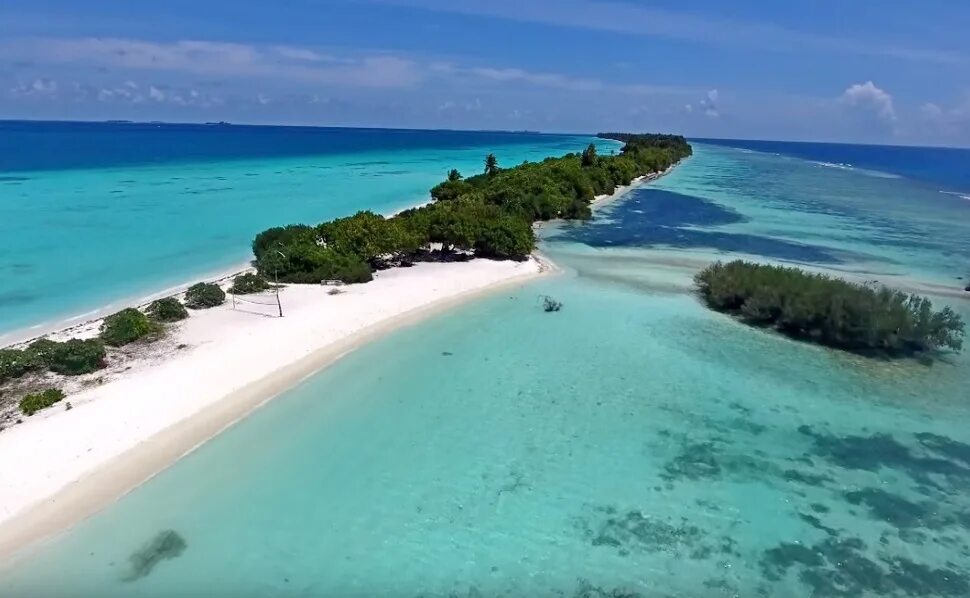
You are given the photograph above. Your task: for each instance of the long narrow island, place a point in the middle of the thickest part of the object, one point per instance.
(102, 406)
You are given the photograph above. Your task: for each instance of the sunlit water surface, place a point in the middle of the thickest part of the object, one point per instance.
(633, 444)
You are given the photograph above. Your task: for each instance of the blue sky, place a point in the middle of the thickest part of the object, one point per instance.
(859, 70)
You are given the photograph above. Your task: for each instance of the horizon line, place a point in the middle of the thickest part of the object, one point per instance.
(453, 130)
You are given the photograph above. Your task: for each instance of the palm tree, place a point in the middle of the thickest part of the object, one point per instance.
(589, 155)
(454, 175)
(491, 164)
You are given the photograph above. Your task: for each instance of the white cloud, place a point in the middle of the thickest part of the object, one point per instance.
(632, 19)
(218, 59)
(867, 96)
(518, 76)
(156, 94)
(515, 75)
(37, 87)
(304, 54)
(222, 61)
(708, 104)
(950, 122)
(931, 110)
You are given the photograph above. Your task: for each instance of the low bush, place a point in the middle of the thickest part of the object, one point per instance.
(167, 310)
(33, 403)
(14, 363)
(310, 264)
(247, 283)
(204, 295)
(74, 357)
(128, 326)
(42, 350)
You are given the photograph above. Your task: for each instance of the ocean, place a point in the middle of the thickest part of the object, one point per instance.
(95, 217)
(633, 444)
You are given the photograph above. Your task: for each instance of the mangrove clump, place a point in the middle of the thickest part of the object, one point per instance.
(866, 319)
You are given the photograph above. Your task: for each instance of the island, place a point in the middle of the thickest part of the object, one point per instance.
(868, 319)
(489, 215)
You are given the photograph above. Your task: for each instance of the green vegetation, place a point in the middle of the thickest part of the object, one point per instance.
(73, 357)
(33, 403)
(491, 165)
(490, 215)
(128, 326)
(204, 295)
(859, 318)
(167, 310)
(245, 284)
(15, 363)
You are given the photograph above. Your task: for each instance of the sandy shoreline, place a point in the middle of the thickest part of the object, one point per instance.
(61, 466)
(65, 326)
(602, 200)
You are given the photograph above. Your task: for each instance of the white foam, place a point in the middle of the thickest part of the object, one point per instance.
(960, 194)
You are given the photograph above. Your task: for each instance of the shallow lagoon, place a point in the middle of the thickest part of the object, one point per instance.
(99, 218)
(633, 442)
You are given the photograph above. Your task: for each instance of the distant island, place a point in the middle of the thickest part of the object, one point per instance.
(488, 215)
(865, 319)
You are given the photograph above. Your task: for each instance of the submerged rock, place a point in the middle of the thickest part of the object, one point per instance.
(549, 304)
(168, 544)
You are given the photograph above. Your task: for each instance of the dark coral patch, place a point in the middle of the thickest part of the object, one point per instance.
(168, 544)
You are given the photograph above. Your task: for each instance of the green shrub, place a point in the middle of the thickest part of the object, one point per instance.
(247, 283)
(14, 363)
(33, 403)
(272, 239)
(505, 238)
(75, 357)
(167, 309)
(41, 350)
(128, 326)
(204, 295)
(860, 318)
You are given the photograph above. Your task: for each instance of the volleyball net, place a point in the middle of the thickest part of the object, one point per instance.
(264, 304)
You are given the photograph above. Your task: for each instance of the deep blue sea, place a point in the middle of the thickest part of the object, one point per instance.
(947, 167)
(634, 444)
(96, 216)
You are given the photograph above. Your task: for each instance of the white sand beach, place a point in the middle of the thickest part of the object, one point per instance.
(60, 466)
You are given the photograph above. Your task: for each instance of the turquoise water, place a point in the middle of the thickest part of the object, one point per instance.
(634, 444)
(76, 237)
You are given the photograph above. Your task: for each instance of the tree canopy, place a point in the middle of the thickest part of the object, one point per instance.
(491, 164)
(865, 319)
